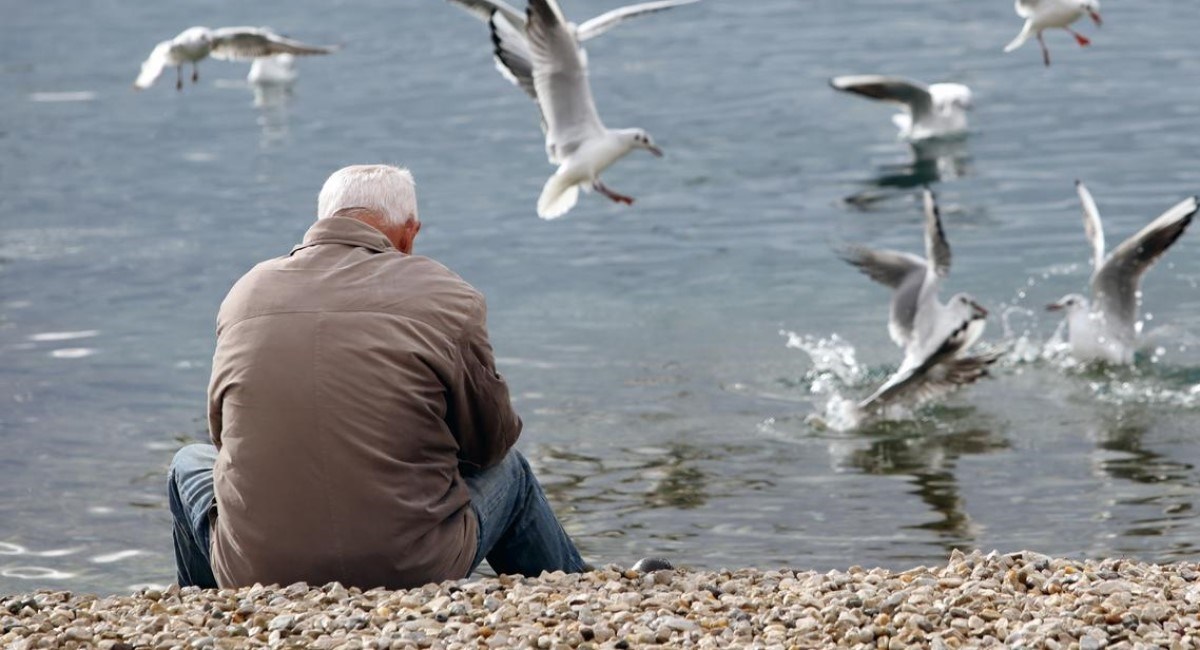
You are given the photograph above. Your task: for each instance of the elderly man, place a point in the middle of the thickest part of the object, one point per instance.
(361, 431)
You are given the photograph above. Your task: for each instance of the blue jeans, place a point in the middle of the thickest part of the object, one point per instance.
(193, 505)
(518, 532)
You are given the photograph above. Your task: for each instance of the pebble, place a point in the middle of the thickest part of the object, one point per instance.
(974, 600)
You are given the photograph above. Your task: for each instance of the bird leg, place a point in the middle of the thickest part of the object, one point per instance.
(617, 198)
(1079, 38)
(179, 77)
(195, 73)
(1045, 51)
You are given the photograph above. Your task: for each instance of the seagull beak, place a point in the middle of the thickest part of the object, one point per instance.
(658, 153)
(1055, 306)
(980, 311)
(1096, 17)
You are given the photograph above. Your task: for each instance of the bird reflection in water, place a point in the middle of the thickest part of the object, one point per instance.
(1160, 489)
(272, 79)
(908, 449)
(637, 479)
(933, 160)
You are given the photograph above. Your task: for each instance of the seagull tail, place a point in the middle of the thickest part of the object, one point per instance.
(558, 197)
(1026, 33)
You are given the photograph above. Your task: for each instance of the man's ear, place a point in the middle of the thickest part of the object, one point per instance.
(407, 235)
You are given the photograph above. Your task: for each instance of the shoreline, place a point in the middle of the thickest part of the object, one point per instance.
(1022, 599)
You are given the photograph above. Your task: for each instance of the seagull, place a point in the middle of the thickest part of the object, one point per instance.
(1041, 15)
(1105, 329)
(555, 74)
(229, 43)
(934, 111)
(935, 337)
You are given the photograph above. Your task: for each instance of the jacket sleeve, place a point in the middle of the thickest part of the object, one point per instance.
(216, 397)
(480, 414)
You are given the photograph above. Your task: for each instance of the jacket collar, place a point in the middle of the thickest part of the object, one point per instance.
(345, 231)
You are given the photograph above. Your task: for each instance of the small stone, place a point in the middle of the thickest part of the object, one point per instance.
(281, 623)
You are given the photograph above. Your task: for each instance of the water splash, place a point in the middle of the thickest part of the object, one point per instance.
(1152, 380)
(834, 364)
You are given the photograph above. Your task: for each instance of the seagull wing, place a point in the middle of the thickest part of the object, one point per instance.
(233, 43)
(937, 249)
(1115, 283)
(1092, 225)
(920, 380)
(889, 89)
(1026, 8)
(483, 9)
(610, 19)
(560, 78)
(152, 67)
(511, 52)
(902, 272)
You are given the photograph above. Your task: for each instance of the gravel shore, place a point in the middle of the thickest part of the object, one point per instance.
(1017, 600)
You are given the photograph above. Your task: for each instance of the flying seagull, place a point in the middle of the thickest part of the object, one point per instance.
(1105, 329)
(935, 337)
(1041, 15)
(934, 111)
(229, 43)
(554, 72)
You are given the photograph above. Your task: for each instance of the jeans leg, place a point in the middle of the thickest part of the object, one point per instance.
(518, 532)
(192, 499)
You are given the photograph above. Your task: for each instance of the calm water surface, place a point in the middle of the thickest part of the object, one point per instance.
(647, 347)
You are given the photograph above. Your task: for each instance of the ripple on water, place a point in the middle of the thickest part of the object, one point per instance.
(63, 336)
(109, 558)
(35, 573)
(7, 548)
(71, 96)
(72, 353)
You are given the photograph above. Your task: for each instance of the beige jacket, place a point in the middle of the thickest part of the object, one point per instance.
(350, 383)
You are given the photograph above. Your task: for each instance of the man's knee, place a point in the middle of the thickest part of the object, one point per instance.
(517, 466)
(191, 459)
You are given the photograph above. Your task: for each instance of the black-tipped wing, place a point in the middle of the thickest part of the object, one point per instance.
(1115, 284)
(610, 19)
(233, 43)
(888, 89)
(937, 249)
(483, 9)
(511, 52)
(936, 375)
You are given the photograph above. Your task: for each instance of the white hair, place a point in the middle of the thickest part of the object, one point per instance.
(385, 190)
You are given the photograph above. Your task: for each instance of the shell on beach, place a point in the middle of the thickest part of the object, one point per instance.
(1017, 600)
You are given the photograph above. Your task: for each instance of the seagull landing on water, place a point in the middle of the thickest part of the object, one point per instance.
(548, 64)
(935, 337)
(935, 111)
(1041, 15)
(1105, 329)
(230, 43)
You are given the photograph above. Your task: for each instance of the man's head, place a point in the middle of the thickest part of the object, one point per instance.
(380, 196)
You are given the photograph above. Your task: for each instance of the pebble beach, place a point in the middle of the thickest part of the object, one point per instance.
(975, 600)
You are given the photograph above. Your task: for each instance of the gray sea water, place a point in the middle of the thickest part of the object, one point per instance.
(648, 348)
